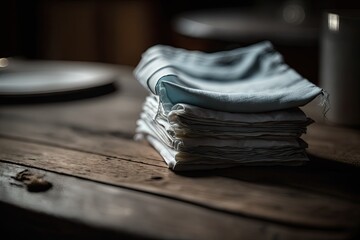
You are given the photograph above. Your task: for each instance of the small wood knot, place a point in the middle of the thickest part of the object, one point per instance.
(34, 182)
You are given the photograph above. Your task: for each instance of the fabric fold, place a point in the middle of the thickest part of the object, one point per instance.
(249, 79)
(223, 109)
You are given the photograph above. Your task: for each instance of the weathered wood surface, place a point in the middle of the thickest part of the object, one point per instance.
(134, 214)
(334, 143)
(237, 194)
(92, 139)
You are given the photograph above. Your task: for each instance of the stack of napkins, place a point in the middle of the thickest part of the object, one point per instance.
(222, 109)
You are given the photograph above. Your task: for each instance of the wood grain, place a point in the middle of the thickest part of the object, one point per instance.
(133, 214)
(276, 203)
(92, 140)
(316, 177)
(334, 143)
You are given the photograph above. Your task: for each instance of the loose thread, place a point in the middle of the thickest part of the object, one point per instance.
(325, 103)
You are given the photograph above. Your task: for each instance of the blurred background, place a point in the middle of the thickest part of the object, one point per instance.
(118, 31)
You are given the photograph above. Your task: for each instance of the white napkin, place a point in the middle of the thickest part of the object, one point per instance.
(275, 140)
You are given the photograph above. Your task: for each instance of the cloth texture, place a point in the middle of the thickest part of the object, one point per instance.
(249, 79)
(223, 109)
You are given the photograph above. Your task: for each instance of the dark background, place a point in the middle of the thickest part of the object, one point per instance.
(118, 31)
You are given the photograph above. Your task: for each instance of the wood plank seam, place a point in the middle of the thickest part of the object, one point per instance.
(184, 200)
(209, 207)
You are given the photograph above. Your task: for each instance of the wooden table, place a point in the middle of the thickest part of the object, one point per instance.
(71, 169)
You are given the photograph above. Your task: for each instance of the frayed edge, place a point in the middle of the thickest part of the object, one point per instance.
(325, 102)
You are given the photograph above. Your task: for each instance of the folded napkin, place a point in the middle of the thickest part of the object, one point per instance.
(213, 139)
(229, 108)
(248, 79)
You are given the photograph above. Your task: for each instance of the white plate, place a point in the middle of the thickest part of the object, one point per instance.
(36, 77)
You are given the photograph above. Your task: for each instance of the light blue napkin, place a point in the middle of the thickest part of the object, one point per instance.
(249, 79)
